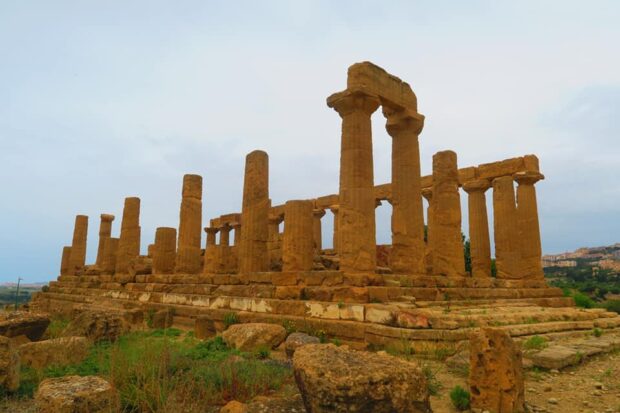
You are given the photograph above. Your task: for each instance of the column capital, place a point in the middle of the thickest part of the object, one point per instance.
(211, 230)
(353, 100)
(235, 225)
(107, 217)
(477, 185)
(318, 213)
(402, 120)
(528, 177)
(427, 193)
(334, 209)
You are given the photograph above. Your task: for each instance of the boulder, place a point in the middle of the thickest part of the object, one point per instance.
(337, 379)
(76, 394)
(296, 340)
(495, 372)
(234, 407)
(58, 351)
(31, 325)
(9, 365)
(97, 326)
(252, 336)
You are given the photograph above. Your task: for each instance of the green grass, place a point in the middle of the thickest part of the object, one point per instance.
(161, 371)
(56, 327)
(535, 343)
(460, 398)
(230, 319)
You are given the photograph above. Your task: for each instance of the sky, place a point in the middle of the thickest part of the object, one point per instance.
(103, 100)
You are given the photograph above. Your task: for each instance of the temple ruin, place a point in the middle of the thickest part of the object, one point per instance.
(416, 290)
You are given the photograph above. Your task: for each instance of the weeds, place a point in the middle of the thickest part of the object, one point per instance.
(535, 343)
(230, 319)
(460, 398)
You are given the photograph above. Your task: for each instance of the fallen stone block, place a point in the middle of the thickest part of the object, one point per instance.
(252, 336)
(555, 357)
(337, 379)
(296, 340)
(58, 351)
(76, 394)
(31, 325)
(97, 326)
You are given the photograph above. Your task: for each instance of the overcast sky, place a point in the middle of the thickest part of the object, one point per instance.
(103, 100)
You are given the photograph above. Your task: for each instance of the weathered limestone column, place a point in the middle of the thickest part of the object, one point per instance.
(210, 265)
(225, 235)
(407, 255)
(64, 262)
(446, 241)
(129, 242)
(105, 231)
(507, 248)
(211, 234)
(164, 254)
(317, 232)
(77, 259)
(298, 242)
(480, 246)
(336, 233)
(188, 254)
(529, 228)
(253, 255)
(110, 251)
(274, 244)
(357, 242)
(427, 193)
(237, 233)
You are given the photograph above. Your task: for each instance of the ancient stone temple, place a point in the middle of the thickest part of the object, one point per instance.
(419, 290)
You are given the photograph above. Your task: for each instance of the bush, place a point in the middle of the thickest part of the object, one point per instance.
(460, 398)
(535, 343)
(597, 332)
(612, 305)
(583, 301)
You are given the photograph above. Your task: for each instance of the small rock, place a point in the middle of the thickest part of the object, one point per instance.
(598, 385)
(296, 340)
(552, 400)
(234, 407)
(547, 388)
(74, 394)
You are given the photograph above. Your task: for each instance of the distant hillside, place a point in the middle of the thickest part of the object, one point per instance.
(8, 291)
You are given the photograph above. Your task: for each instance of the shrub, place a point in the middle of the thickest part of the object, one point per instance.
(230, 319)
(612, 305)
(460, 398)
(597, 332)
(535, 343)
(56, 327)
(431, 379)
(582, 300)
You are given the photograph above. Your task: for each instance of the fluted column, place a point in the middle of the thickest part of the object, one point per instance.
(105, 231)
(129, 242)
(298, 240)
(77, 259)
(211, 234)
(164, 253)
(357, 241)
(110, 251)
(190, 224)
(529, 228)
(479, 244)
(225, 235)
(427, 193)
(446, 241)
(253, 255)
(211, 256)
(64, 262)
(237, 233)
(507, 248)
(407, 255)
(317, 232)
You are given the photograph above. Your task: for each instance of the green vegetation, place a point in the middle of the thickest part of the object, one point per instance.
(460, 398)
(597, 332)
(230, 319)
(56, 327)
(434, 385)
(7, 294)
(162, 371)
(535, 343)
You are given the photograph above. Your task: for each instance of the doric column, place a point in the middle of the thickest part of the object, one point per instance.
(77, 259)
(129, 242)
(446, 241)
(211, 234)
(274, 244)
(427, 193)
(164, 254)
(479, 244)
(336, 233)
(225, 235)
(317, 233)
(298, 240)
(529, 228)
(105, 231)
(407, 255)
(188, 254)
(253, 255)
(210, 266)
(357, 241)
(110, 251)
(507, 251)
(64, 262)
(237, 233)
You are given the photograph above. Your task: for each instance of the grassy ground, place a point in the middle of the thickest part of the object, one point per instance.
(168, 371)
